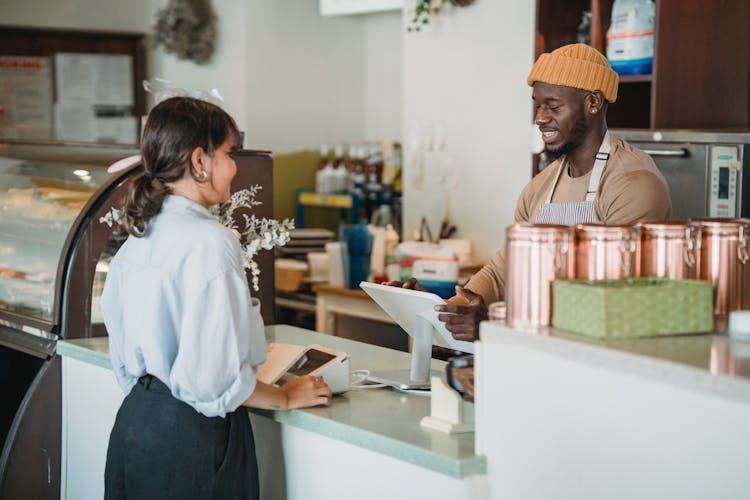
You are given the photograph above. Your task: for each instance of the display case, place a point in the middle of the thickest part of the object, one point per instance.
(55, 249)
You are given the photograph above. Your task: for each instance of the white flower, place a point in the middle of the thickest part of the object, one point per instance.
(257, 233)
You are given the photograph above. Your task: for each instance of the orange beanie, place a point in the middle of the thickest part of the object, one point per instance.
(579, 66)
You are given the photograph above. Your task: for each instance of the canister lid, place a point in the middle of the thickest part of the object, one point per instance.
(719, 226)
(604, 232)
(663, 229)
(537, 232)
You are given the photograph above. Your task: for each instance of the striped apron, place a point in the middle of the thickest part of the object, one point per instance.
(576, 212)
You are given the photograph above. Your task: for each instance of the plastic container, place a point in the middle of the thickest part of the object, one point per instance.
(433, 264)
(356, 250)
(630, 38)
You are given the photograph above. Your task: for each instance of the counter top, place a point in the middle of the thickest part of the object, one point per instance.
(381, 420)
(711, 363)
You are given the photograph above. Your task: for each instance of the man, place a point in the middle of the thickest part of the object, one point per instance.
(595, 178)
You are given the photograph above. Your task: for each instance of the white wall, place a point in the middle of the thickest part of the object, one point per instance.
(467, 70)
(383, 49)
(306, 79)
(291, 79)
(314, 80)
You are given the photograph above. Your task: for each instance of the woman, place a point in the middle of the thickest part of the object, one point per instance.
(185, 336)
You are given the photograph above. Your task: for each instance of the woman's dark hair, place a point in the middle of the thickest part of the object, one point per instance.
(174, 128)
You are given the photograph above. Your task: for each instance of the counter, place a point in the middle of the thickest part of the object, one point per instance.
(367, 444)
(564, 416)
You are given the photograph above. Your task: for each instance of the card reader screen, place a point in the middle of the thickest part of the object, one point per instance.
(723, 183)
(312, 360)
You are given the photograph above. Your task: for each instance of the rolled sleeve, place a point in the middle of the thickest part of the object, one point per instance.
(214, 370)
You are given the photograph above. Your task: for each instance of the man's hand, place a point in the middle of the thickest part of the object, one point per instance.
(411, 284)
(463, 320)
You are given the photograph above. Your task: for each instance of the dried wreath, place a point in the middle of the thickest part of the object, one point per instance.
(187, 28)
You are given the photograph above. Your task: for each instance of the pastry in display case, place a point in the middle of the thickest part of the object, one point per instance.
(55, 248)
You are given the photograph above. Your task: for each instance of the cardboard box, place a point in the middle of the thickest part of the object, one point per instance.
(289, 274)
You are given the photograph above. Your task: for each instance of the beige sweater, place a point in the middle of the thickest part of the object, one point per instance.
(631, 189)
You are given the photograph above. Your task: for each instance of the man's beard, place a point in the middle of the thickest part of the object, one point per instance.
(576, 138)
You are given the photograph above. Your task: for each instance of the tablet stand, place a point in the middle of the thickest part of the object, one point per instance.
(418, 376)
(449, 413)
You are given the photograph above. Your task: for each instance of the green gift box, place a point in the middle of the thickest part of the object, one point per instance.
(635, 307)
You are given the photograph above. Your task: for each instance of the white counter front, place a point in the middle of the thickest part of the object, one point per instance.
(566, 417)
(367, 445)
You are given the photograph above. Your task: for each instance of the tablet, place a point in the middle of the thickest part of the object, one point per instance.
(279, 358)
(403, 305)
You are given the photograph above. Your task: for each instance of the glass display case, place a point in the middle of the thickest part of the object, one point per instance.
(48, 217)
(40, 201)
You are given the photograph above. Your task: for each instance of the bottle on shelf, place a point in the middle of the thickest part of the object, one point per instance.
(391, 155)
(322, 174)
(357, 178)
(392, 269)
(374, 167)
(340, 173)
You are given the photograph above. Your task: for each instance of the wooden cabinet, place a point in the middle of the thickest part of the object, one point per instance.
(701, 71)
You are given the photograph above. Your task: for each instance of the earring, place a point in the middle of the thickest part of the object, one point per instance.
(202, 176)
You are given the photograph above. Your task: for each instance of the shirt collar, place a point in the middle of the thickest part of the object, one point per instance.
(179, 204)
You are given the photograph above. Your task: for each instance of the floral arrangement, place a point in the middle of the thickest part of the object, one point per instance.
(258, 234)
(425, 9)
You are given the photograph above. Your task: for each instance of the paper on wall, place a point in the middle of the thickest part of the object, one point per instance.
(25, 97)
(95, 98)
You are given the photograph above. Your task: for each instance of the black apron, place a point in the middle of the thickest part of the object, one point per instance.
(161, 448)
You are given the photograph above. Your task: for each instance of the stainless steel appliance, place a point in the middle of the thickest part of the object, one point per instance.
(708, 172)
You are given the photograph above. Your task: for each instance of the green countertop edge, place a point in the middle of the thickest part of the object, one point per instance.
(85, 354)
(384, 445)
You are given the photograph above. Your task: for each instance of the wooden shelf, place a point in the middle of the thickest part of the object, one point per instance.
(636, 78)
(700, 52)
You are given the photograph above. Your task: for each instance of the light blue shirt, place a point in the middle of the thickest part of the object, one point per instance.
(176, 305)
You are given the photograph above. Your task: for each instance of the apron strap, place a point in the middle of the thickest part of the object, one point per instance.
(596, 174)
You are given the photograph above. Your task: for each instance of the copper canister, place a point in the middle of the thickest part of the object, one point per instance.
(746, 271)
(669, 249)
(605, 252)
(723, 260)
(537, 254)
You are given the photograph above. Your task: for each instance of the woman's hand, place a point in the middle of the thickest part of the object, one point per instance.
(463, 320)
(411, 284)
(306, 391)
(300, 392)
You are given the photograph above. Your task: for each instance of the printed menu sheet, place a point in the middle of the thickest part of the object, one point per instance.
(25, 97)
(94, 98)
